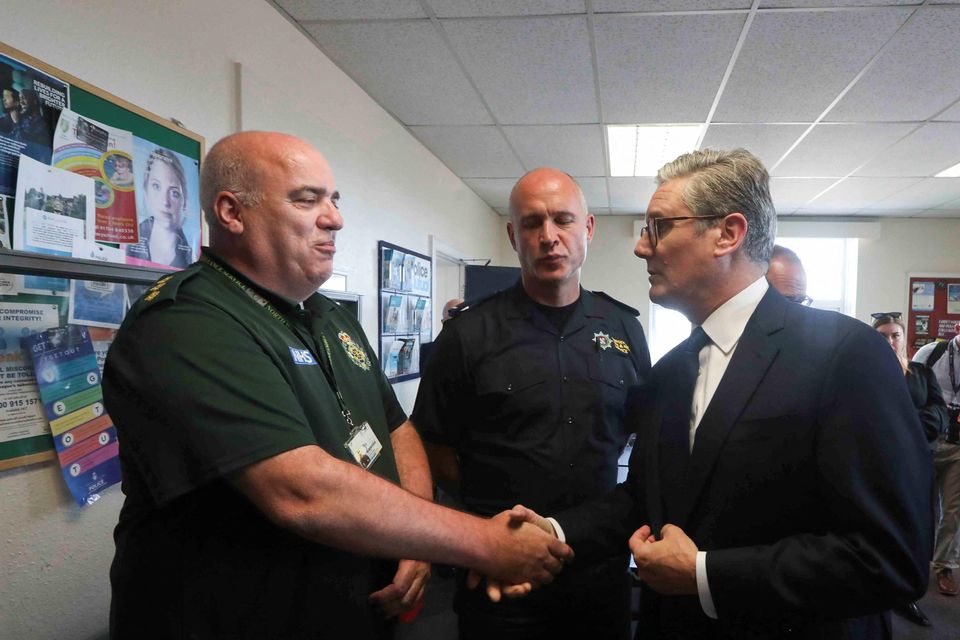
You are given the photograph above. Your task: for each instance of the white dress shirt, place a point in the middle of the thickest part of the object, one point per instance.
(724, 328)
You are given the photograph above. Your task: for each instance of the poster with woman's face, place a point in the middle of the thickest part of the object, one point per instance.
(168, 205)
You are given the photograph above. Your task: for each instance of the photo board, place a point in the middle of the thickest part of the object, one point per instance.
(934, 309)
(74, 164)
(404, 309)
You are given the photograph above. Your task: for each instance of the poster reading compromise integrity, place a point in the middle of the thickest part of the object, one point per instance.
(21, 413)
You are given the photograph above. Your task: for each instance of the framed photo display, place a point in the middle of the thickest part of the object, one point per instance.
(404, 309)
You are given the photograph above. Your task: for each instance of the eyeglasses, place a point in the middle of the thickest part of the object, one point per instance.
(654, 230)
(886, 314)
(804, 299)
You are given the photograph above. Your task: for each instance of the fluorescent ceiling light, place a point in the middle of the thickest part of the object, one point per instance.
(952, 172)
(640, 150)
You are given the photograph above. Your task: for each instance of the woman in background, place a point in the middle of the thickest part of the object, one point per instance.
(928, 400)
(165, 197)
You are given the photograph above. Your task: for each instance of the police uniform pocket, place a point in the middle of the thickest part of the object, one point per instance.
(506, 395)
(615, 371)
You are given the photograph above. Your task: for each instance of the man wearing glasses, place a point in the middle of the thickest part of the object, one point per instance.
(780, 483)
(786, 275)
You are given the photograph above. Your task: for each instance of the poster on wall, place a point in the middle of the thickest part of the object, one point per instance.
(21, 413)
(53, 208)
(921, 325)
(953, 299)
(32, 102)
(69, 381)
(168, 207)
(921, 296)
(105, 155)
(405, 287)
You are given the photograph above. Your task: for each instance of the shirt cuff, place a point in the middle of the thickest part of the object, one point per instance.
(703, 587)
(557, 529)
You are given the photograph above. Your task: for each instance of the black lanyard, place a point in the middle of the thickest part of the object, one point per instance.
(326, 363)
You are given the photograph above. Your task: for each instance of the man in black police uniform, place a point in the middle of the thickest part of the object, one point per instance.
(260, 442)
(523, 399)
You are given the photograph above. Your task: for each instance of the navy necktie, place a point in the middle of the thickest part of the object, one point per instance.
(676, 391)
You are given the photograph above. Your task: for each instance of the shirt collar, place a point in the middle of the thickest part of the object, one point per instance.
(726, 324)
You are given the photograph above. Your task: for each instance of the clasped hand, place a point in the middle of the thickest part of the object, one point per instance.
(522, 518)
(668, 565)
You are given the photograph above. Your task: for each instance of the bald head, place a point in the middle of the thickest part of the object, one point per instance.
(238, 164)
(550, 229)
(273, 208)
(544, 180)
(786, 273)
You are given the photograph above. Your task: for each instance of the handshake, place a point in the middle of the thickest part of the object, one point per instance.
(667, 564)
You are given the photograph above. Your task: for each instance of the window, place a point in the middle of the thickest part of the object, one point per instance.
(831, 266)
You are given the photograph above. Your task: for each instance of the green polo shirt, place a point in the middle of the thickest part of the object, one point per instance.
(208, 374)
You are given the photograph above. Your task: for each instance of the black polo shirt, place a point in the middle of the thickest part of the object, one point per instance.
(201, 381)
(534, 413)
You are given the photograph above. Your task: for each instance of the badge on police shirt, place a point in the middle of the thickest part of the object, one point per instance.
(363, 445)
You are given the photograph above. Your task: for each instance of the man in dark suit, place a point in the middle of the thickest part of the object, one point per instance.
(780, 482)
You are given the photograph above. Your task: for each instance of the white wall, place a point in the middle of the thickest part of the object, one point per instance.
(176, 58)
(903, 245)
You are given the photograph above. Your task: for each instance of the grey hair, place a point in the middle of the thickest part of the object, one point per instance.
(728, 182)
(228, 168)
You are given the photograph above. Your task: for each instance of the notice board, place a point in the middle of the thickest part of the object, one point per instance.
(934, 302)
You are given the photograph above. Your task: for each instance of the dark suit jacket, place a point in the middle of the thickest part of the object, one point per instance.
(808, 486)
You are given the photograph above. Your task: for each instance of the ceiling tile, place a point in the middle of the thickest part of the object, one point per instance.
(766, 141)
(854, 194)
(927, 194)
(916, 76)
(793, 64)
(494, 191)
(575, 148)
(837, 149)
(766, 4)
(649, 72)
(531, 70)
(471, 152)
(601, 6)
(351, 9)
(595, 191)
(789, 194)
(499, 8)
(406, 67)
(632, 193)
(925, 152)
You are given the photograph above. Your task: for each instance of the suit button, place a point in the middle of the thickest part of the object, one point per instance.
(569, 420)
(509, 387)
(565, 378)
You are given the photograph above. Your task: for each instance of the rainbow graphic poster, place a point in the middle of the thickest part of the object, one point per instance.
(68, 378)
(104, 153)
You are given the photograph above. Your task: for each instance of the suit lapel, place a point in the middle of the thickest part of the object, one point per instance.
(754, 354)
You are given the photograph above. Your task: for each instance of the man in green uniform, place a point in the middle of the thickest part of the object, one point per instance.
(260, 444)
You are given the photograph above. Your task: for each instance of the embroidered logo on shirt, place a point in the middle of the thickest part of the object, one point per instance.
(356, 354)
(302, 356)
(602, 340)
(621, 346)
